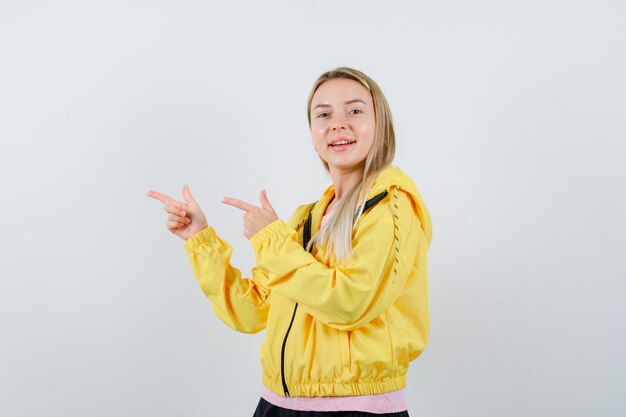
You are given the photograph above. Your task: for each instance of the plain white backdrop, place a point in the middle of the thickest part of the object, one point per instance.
(509, 118)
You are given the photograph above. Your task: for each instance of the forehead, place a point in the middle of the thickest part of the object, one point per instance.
(340, 90)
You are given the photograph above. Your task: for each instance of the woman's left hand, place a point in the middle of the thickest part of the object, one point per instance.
(256, 218)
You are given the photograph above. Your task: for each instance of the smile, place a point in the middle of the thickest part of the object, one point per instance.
(342, 145)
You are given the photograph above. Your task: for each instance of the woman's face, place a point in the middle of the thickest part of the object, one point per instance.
(342, 110)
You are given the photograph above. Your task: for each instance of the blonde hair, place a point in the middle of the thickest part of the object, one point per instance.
(336, 234)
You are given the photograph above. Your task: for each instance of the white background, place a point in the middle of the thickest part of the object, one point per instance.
(510, 119)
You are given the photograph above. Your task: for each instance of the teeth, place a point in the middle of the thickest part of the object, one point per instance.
(343, 142)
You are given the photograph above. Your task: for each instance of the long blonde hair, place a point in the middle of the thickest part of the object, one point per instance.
(336, 234)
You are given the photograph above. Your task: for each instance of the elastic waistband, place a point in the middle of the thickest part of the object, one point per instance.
(337, 389)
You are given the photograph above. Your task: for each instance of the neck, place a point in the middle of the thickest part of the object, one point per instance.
(345, 180)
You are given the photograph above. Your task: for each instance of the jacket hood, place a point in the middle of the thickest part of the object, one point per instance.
(393, 176)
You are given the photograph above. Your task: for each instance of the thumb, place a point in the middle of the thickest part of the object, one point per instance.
(265, 203)
(187, 196)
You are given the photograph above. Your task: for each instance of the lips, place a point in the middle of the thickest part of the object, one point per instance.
(341, 146)
(342, 141)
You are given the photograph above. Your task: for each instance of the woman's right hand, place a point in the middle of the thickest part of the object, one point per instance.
(183, 219)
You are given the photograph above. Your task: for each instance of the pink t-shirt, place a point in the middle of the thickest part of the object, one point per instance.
(389, 402)
(326, 217)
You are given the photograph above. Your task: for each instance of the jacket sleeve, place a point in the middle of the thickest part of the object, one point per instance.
(386, 244)
(241, 303)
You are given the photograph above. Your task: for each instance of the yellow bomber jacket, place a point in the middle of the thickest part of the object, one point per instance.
(331, 329)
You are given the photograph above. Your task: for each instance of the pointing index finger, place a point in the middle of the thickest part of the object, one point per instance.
(161, 197)
(238, 203)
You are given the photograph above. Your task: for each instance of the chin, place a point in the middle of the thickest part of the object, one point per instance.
(346, 165)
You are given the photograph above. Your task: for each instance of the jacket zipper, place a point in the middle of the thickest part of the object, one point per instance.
(282, 353)
(306, 236)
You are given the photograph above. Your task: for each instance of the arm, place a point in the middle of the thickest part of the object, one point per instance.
(387, 242)
(241, 303)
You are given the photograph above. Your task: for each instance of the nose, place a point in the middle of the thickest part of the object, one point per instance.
(339, 122)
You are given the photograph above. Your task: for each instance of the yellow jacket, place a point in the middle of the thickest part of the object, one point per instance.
(331, 330)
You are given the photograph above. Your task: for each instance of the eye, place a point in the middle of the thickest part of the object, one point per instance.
(323, 114)
(355, 111)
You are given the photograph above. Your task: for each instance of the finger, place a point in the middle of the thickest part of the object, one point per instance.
(238, 203)
(265, 202)
(180, 219)
(173, 225)
(187, 195)
(161, 197)
(176, 208)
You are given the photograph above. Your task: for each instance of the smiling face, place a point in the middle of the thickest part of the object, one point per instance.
(342, 111)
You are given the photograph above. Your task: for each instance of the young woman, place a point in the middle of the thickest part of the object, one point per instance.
(341, 287)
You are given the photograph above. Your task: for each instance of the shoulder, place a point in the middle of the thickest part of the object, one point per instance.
(387, 222)
(393, 177)
(403, 202)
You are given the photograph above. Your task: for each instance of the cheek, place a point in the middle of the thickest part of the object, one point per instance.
(317, 134)
(366, 132)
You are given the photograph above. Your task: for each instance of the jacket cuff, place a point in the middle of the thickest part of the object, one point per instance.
(271, 230)
(206, 236)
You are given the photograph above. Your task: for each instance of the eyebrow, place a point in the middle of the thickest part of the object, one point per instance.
(355, 100)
